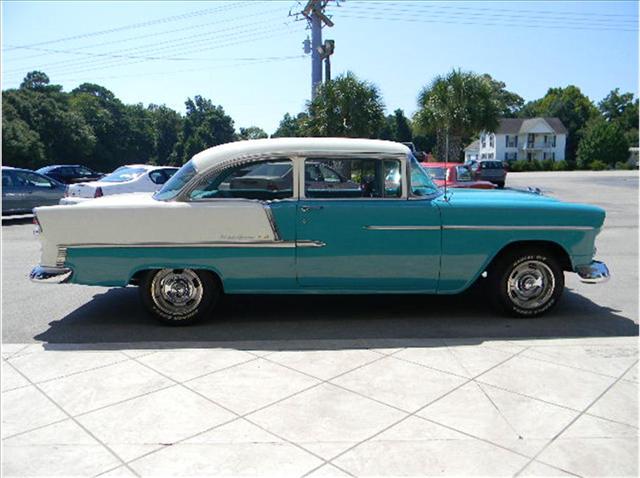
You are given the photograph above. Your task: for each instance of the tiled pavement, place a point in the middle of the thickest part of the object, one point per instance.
(548, 407)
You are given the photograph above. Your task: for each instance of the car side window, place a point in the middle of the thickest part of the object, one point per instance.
(262, 180)
(345, 178)
(157, 176)
(82, 171)
(37, 181)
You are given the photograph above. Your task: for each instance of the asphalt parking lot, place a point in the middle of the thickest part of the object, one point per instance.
(79, 314)
(328, 386)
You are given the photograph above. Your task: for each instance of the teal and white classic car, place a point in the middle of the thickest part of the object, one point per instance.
(318, 215)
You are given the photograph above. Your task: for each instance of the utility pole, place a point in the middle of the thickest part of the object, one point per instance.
(314, 13)
(326, 51)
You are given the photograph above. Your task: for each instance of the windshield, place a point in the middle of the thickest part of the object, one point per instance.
(421, 184)
(123, 174)
(435, 173)
(175, 184)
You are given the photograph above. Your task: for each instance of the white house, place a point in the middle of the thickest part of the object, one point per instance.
(525, 138)
(471, 151)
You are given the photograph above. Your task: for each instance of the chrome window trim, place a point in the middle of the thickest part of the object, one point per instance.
(199, 178)
(353, 156)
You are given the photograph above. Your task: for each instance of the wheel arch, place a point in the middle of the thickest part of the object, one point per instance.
(136, 276)
(556, 249)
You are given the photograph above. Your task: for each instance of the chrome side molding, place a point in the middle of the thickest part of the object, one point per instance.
(594, 273)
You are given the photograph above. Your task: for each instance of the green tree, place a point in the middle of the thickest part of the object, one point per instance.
(457, 106)
(205, 125)
(345, 107)
(252, 132)
(38, 81)
(573, 108)
(622, 109)
(397, 127)
(167, 125)
(602, 141)
(291, 127)
(509, 103)
(21, 145)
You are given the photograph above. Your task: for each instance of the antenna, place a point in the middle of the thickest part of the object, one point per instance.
(446, 160)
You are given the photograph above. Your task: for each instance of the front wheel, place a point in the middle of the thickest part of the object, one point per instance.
(526, 283)
(179, 296)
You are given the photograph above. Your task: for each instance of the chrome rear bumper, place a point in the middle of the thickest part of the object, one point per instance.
(594, 273)
(50, 275)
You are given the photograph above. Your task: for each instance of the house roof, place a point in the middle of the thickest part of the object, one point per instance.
(475, 146)
(522, 125)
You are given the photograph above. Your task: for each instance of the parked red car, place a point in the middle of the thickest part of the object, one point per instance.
(454, 175)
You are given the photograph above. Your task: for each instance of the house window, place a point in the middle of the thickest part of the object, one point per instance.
(553, 155)
(530, 139)
(491, 138)
(490, 156)
(484, 141)
(512, 141)
(553, 140)
(484, 156)
(544, 155)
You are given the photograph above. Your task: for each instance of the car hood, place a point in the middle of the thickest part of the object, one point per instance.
(514, 207)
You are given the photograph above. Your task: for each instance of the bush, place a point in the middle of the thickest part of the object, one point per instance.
(560, 166)
(625, 165)
(597, 165)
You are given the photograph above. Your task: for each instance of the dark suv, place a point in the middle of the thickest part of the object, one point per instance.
(70, 173)
(489, 170)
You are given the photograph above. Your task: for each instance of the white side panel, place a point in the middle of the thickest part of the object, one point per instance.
(138, 219)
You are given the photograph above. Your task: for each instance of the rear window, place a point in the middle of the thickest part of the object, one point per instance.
(491, 164)
(123, 174)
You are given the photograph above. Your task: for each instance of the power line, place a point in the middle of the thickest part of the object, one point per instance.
(509, 14)
(173, 45)
(133, 26)
(128, 39)
(246, 39)
(459, 21)
(565, 14)
(189, 70)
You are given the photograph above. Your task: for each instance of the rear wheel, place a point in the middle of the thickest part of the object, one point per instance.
(526, 283)
(179, 296)
(500, 185)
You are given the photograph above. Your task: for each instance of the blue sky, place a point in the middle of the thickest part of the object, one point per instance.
(247, 56)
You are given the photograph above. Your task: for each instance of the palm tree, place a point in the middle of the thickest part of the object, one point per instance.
(457, 106)
(345, 107)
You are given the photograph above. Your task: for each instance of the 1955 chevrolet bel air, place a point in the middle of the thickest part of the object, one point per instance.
(317, 215)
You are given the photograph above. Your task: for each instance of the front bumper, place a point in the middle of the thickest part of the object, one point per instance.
(50, 275)
(594, 273)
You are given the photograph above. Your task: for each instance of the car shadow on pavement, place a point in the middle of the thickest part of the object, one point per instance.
(17, 220)
(116, 319)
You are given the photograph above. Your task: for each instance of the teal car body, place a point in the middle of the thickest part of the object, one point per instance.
(403, 235)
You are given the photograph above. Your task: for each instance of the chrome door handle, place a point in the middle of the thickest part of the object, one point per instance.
(309, 208)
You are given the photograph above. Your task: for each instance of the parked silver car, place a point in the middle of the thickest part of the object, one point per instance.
(22, 190)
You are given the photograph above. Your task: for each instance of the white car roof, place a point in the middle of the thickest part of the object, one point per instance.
(213, 156)
(148, 167)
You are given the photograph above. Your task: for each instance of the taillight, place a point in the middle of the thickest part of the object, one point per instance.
(98, 193)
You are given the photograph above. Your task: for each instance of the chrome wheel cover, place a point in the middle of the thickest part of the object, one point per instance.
(531, 284)
(176, 292)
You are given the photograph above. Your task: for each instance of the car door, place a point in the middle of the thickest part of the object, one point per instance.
(14, 197)
(42, 190)
(378, 241)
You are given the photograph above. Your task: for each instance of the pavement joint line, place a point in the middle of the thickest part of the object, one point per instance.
(566, 407)
(484, 392)
(606, 375)
(173, 384)
(576, 418)
(86, 430)
(397, 422)
(71, 374)
(16, 352)
(245, 415)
